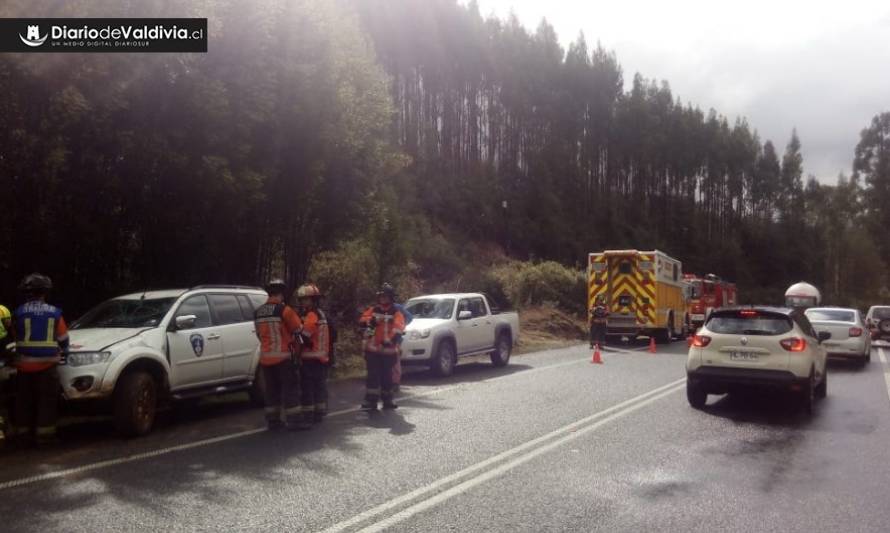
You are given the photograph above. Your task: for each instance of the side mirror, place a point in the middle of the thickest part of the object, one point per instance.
(465, 315)
(186, 321)
(824, 336)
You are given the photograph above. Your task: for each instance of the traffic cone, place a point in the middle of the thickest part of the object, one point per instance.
(597, 356)
(652, 345)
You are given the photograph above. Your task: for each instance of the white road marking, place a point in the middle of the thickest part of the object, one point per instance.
(886, 369)
(237, 435)
(523, 452)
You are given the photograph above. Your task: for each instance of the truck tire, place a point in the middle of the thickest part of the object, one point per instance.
(135, 403)
(503, 346)
(257, 391)
(445, 359)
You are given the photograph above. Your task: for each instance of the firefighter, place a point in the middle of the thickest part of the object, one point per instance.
(41, 337)
(599, 318)
(278, 328)
(315, 354)
(384, 326)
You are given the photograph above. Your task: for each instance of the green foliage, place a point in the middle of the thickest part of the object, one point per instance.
(531, 284)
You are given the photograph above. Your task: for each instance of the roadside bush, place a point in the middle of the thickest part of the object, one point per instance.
(525, 284)
(345, 276)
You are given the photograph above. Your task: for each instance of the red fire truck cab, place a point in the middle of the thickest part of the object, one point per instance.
(706, 294)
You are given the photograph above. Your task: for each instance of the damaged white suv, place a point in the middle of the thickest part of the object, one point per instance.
(143, 348)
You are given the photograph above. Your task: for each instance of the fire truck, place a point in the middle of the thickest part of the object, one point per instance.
(643, 291)
(706, 294)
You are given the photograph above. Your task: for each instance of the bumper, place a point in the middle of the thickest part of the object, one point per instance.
(417, 351)
(720, 379)
(84, 382)
(847, 349)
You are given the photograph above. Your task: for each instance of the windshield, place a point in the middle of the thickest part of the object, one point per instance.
(749, 323)
(837, 315)
(696, 290)
(126, 314)
(431, 308)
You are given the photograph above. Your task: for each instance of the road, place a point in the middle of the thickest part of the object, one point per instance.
(549, 443)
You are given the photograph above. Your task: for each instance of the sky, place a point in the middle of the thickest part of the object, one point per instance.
(820, 66)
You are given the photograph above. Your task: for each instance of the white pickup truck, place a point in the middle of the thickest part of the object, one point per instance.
(449, 326)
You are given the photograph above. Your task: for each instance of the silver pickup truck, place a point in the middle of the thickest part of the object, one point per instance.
(449, 326)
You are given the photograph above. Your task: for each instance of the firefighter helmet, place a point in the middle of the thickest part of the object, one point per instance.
(35, 283)
(387, 290)
(309, 290)
(802, 295)
(276, 286)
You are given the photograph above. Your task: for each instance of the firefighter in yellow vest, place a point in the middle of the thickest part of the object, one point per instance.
(316, 357)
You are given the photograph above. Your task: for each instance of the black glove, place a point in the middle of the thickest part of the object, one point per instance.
(63, 358)
(373, 322)
(305, 339)
(397, 338)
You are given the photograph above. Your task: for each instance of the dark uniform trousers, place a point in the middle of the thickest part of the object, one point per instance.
(314, 388)
(379, 381)
(282, 392)
(36, 403)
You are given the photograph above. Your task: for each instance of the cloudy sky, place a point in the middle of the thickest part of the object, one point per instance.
(821, 66)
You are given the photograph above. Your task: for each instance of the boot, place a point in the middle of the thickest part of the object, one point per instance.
(274, 425)
(389, 404)
(369, 405)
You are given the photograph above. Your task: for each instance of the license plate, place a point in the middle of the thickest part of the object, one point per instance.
(742, 356)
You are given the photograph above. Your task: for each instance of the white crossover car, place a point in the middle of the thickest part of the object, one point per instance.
(762, 347)
(850, 337)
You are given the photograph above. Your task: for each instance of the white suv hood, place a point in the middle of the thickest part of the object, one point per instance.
(94, 339)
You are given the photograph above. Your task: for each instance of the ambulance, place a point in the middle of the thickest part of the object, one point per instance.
(644, 292)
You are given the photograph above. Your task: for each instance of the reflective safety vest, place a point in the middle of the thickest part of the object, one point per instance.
(276, 324)
(315, 326)
(41, 335)
(389, 323)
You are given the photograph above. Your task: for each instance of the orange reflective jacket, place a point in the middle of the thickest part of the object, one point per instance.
(388, 322)
(315, 327)
(276, 324)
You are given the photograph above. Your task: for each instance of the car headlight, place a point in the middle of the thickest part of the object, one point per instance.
(88, 358)
(418, 334)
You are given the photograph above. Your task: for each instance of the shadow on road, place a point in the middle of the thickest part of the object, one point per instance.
(762, 407)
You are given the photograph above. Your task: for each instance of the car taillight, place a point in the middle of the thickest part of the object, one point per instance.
(855, 332)
(700, 341)
(794, 344)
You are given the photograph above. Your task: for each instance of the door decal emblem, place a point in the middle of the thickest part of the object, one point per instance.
(197, 341)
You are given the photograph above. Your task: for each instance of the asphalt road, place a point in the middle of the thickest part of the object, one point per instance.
(550, 443)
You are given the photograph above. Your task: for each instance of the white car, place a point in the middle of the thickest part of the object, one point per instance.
(449, 326)
(764, 347)
(143, 348)
(850, 337)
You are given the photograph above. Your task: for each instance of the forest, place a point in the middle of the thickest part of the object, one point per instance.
(417, 141)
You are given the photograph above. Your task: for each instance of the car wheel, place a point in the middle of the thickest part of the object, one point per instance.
(807, 395)
(135, 403)
(443, 366)
(822, 388)
(257, 391)
(501, 354)
(696, 396)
